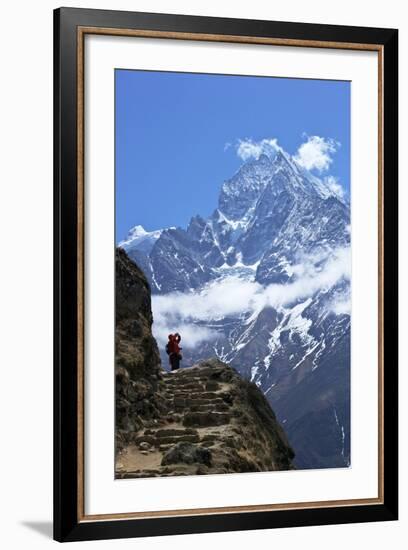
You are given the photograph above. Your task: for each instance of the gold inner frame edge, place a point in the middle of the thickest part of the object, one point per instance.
(81, 33)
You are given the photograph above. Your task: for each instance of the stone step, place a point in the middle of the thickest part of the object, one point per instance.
(165, 432)
(204, 419)
(218, 407)
(176, 439)
(204, 395)
(187, 384)
(181, 395)
(173, 382)
(163, 439)
(189, 388)
(165, 447)
(201, 399)
(190, 384)
(193, 388)
(194, 398)
(180, 406)
(204, 401)
(189, 374)
(210, 408)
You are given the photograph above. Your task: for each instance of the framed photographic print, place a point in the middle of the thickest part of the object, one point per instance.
(225, 274)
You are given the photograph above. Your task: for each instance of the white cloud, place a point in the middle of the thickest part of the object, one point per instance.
(314, 275)
(177, 311)
(250, 149)
(334, 186)
(316, 153)
(231, 296)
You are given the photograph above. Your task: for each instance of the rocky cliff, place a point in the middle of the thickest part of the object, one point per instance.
(202, 420)
(137, 357)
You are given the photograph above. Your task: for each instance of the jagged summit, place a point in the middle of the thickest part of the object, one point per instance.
(281, 172)
(239, 194)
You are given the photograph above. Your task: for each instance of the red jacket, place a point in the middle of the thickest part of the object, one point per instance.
(174, 344)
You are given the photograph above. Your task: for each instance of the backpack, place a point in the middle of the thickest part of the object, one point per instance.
(168, 348)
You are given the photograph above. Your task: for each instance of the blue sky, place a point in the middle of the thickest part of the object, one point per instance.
(177, 137)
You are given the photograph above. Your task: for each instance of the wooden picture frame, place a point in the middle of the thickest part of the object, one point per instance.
(70, 28)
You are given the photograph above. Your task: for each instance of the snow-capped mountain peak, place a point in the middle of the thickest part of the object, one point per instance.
(139, 238)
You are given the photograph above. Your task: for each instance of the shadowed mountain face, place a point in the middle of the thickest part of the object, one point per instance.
(265, 284)
(203, 420)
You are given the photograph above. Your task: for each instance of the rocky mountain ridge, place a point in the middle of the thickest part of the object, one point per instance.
(267, 212)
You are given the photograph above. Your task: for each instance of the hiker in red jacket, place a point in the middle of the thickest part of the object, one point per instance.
(173, 350)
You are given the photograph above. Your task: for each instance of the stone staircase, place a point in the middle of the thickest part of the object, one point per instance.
(208, 425)
(200, 412)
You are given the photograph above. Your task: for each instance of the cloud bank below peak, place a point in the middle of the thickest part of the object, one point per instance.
(189, 313)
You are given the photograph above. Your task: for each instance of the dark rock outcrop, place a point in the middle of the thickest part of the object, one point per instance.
(138, 368)
(202, 420)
